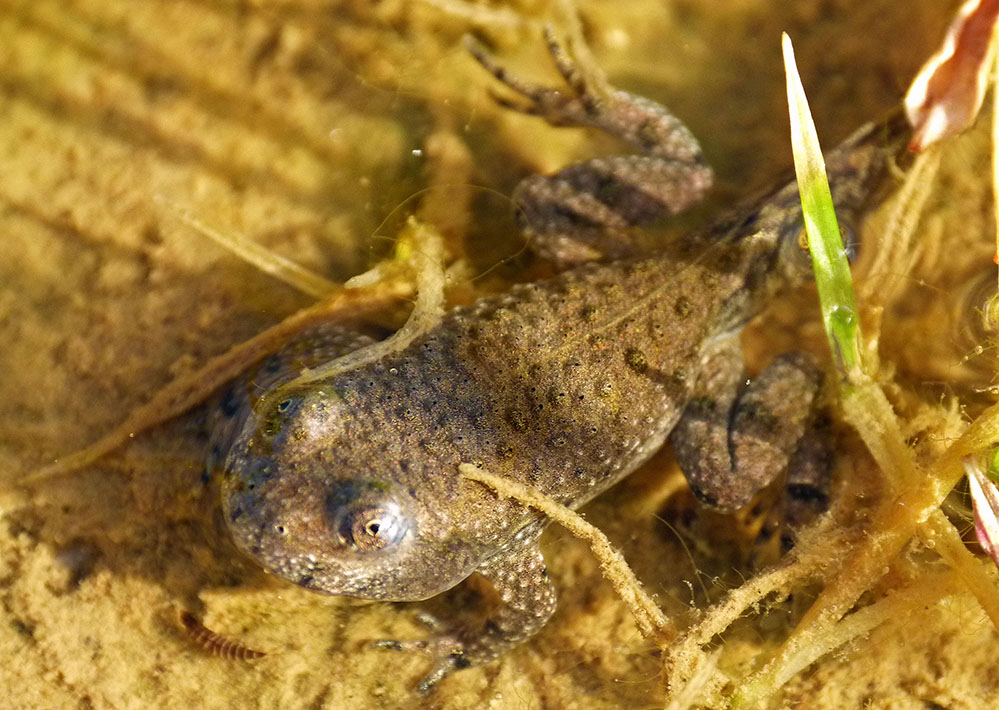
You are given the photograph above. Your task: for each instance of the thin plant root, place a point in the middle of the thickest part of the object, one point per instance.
(899, 604)
(650, 619)
(447, 202)
(192, 389)
(704, 680)
(973, 572)
(684, 661)
(893, 525)
(295, 275)
(896, 244)
(867, 409)
(216, 644)
(912, 508)
(428, 255)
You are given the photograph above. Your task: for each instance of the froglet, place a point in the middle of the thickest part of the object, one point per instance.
(350, 485)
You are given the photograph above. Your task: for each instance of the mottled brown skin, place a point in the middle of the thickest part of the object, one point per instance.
(350, 485)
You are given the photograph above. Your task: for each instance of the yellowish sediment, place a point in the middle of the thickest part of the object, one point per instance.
(317, 129)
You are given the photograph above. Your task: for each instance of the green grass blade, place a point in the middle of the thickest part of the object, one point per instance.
(832, 271)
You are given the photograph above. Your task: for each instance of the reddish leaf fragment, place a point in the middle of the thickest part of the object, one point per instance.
(985, 501)
(946, 95)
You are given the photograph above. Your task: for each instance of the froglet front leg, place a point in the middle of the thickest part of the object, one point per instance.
(525, 600)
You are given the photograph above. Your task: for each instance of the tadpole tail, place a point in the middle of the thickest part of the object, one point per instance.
(860, 168)
(861, 172)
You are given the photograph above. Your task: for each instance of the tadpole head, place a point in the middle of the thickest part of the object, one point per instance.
(311, 498)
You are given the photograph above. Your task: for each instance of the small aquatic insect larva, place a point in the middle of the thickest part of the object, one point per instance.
(214, 643)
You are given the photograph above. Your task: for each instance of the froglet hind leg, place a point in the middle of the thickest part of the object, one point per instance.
(588, 211)
(734, 439)
(804, 496)
(809, 479)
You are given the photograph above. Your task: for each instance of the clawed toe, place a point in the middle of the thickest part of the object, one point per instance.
(565, 64)
(393, 645)
(446, 653)
(559, 106)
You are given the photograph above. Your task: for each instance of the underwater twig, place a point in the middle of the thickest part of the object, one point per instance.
(427, 252)
(295, 275)
(650, 619)
(190, 390)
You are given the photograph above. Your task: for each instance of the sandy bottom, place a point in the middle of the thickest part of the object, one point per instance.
(309, 126)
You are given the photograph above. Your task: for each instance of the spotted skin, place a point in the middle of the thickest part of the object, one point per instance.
(350, 485)
(313, 347)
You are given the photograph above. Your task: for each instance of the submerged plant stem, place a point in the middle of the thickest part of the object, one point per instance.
(427, 255)
(914, 506)
(896, 521)
(188, 391)
(650, 619)
(286, 270)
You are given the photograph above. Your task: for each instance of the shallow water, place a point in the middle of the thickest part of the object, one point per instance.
(310, 126)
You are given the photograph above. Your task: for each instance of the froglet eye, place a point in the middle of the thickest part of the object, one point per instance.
(851, 245)
(371, 528)
(274, 415)
(366, 516)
